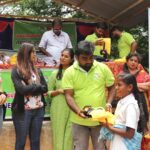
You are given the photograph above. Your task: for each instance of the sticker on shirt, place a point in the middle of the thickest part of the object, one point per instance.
(33, 102)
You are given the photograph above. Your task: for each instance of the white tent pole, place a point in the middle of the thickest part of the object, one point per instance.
(149, 36)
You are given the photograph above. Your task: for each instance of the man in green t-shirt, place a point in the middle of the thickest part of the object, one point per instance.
(85, 84)
(100, 29)
(126, 42)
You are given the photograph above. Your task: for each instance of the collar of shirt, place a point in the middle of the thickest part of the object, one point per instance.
(95, 36)
(127, 99)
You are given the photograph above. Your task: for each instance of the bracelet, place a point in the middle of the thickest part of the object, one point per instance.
(108, 105)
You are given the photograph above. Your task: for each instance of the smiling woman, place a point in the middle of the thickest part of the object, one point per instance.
(59, 110)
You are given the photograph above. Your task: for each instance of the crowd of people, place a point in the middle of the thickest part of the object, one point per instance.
(80, 81)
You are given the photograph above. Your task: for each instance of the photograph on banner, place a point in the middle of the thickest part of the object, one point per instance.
(31, 31)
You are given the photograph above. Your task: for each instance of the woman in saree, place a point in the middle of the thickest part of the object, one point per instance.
(133, 66)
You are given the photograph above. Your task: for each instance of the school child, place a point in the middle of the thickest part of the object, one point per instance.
(123, 134)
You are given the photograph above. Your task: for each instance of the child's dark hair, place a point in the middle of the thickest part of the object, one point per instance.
(130, 55)
(59, 73)
(130, 79)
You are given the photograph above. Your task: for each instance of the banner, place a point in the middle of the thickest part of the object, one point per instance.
(8, 87)
(28, 31)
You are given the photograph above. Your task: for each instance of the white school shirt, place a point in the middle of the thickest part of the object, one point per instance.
(127, 114)
(55, 44)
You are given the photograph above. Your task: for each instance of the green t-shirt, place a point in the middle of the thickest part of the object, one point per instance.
(92, 38)
(124, 44)
(89, 88)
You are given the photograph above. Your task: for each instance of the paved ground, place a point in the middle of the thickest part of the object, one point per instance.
(7, 137)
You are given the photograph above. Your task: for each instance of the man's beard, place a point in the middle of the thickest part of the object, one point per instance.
(57, 33)
(86, 67)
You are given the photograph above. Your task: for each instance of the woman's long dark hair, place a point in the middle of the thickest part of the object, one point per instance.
(24, 64)
(130, 55)
(59, 73)
(130, 79)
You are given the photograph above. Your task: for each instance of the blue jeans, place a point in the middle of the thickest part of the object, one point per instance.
(29, 122)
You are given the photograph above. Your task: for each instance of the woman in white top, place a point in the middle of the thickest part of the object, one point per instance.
(127, 114)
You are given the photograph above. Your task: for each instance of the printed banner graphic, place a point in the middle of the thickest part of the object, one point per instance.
(28, 31)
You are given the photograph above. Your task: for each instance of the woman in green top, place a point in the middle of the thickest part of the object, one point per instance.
(59, 110)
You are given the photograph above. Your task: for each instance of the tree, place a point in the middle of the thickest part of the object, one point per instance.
(140, 32)
(41, 8)
(44, 8)
(79, 14)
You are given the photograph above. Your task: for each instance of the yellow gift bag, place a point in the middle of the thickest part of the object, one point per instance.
(107, 44)
(99, 114)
